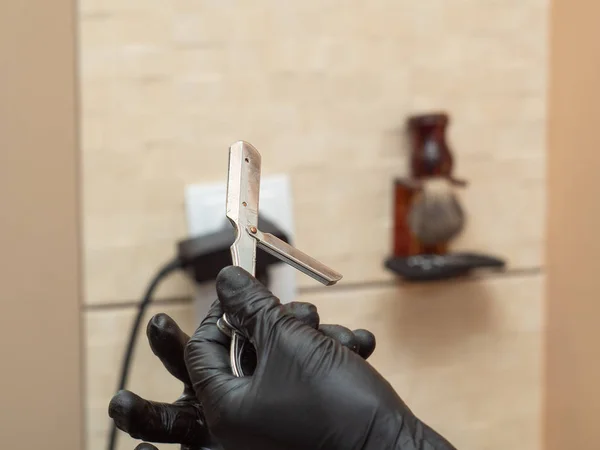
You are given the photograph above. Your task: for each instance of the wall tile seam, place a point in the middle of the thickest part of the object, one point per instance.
(303, 290)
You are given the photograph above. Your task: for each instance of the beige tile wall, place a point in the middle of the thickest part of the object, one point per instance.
(322, 88)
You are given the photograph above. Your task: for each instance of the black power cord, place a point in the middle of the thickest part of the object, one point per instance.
(202, 258)
(166, 270)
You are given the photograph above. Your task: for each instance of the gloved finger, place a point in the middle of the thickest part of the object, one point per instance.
(167, 342)
(145, 446)
(207, 359)
(304, 312)
(341, 334)
(366, 342)
(157, 422)
(249, 305)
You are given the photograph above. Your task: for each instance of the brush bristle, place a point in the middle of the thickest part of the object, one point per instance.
(436, 215)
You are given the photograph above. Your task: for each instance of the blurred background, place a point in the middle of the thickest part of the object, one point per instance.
(323, 89)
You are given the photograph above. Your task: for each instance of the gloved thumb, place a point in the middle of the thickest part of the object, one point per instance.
(249, 305)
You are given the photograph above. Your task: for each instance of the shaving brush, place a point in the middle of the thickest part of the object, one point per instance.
(427, 210)
(435, 216)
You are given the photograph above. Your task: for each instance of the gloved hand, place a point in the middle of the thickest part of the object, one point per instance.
(308, 392)
(182, 422)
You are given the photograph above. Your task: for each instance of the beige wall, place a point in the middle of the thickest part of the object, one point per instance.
(573, 367)
(465, 355)
(40, 337)
(321, 88)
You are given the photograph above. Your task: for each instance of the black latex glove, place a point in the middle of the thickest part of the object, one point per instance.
(308, 392)
(182, 422)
